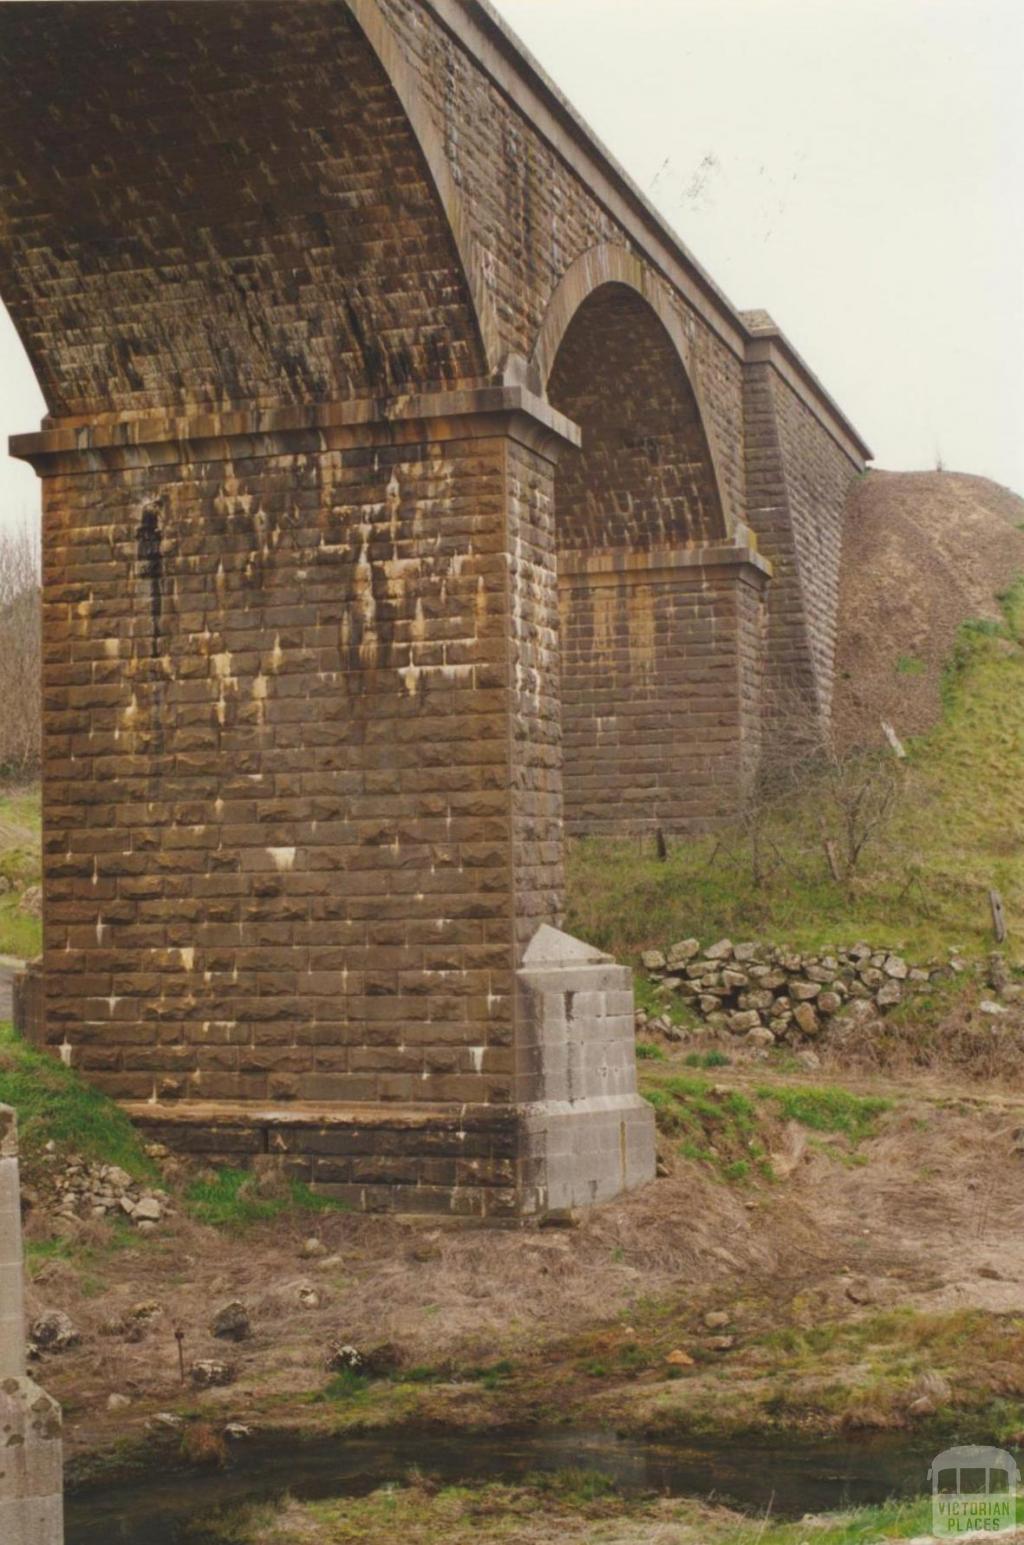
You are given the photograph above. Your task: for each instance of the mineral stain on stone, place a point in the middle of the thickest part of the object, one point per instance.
(149, 543)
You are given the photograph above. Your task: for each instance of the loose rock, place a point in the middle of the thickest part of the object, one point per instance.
(232, 1323)
(53, 1331)
(208, 1373)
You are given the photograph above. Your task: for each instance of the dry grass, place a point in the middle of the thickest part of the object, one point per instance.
(539, 1324)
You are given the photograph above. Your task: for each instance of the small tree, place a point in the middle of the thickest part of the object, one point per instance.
(807, 792)
(20, 650)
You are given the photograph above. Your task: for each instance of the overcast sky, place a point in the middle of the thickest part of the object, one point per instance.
(855, 167)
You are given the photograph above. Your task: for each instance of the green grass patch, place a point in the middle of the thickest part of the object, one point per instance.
(345, 1386)
(828, 1109)
(493, 1375)
(923, 881)
(233, 1199)
(53, 1103)
(909, 665)
(730, 1130)
(714, 1126)
(707, 1059)
(648, 1051)
(20, 934)
(544, 1507)
(20, 825)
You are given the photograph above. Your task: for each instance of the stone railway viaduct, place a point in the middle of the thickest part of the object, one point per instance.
(411, 497)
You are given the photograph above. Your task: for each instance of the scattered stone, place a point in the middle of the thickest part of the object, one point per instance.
(166, 1419)
(720, 951)
(806, 1018)
(744, 1019)
(809, 1060)
(896, 967)
(759, 1036)
(308, 1296)
(889, 995)
(342, 1357)
(803, 992)
(53, 1331)
(232, 1323)
(716, 1319)
(148, 1210)
(745, 952)
(378, 1361)
(828, 1003)
(237, 1432)
(118, 1402)
(720, 1343)
(679, 1359)
(987, 1006)
(208, 1373)
(860, 1291)
(685, 950)
(653, 960)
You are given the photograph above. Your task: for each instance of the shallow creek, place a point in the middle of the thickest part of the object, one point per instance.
(786, 1478)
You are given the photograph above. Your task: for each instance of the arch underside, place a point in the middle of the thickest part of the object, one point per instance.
(213, 204)
(637, 507)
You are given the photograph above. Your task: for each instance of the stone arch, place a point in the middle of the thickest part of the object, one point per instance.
(406, 85)
(610, 265)
(262, 221)
(655, 612)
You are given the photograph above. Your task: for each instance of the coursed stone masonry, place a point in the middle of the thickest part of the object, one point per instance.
(411, 496)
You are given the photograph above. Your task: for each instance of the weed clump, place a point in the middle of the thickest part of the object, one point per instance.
(55, 1105)
(237, 1199)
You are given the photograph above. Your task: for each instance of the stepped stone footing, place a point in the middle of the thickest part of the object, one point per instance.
(578, 1132)
(471, 1162)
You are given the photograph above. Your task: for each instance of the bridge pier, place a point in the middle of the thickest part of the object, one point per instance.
(302, 797)
(31, 1474)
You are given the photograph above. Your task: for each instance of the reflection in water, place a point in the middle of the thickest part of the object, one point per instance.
(788, 1478)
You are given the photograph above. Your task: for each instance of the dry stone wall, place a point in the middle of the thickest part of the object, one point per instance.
(765, 993)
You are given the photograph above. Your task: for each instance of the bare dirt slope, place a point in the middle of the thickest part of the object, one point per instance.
(923, 1218)
(922, 553)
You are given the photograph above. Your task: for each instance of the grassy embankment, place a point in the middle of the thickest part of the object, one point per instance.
(20, 933)
(582, 1507)
(923, 885)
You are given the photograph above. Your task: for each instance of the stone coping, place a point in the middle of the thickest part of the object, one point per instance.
(306, 1113)
(236, 431)
(613, 567)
